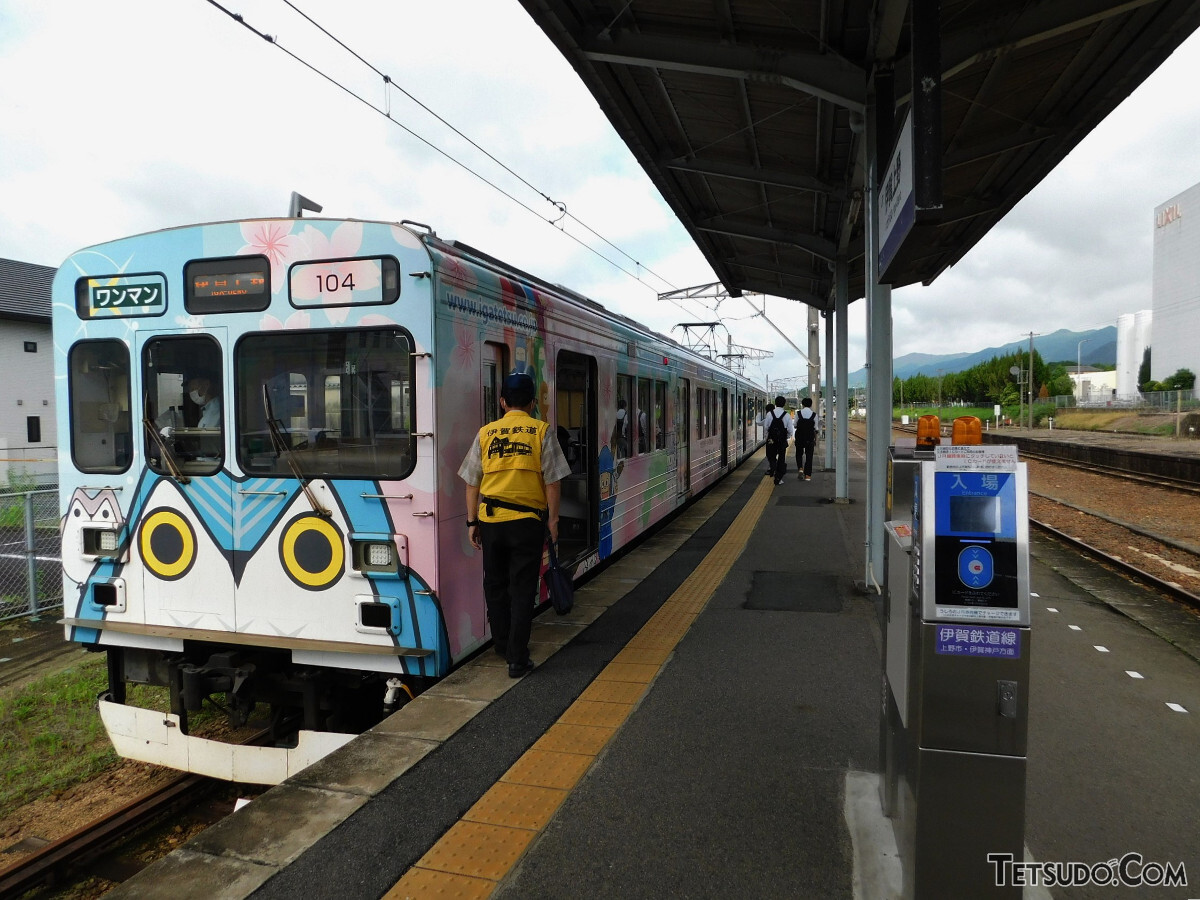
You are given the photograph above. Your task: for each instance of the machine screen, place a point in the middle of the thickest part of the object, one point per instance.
(975, 515)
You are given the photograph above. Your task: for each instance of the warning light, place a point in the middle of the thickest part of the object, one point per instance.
(968, 430)
(929, 432)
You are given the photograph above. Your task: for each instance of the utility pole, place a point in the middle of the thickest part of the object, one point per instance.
(1031, 380)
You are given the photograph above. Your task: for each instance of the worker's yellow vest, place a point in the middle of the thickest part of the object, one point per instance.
(512, 465)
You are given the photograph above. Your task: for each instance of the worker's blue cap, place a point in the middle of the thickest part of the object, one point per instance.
(518, 389)
(518, 381)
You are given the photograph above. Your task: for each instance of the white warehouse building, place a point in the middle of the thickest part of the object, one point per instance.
(1175, 329)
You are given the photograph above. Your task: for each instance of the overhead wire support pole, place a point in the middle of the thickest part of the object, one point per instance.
(763, 312)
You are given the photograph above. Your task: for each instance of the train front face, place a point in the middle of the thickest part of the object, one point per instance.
(248, 510)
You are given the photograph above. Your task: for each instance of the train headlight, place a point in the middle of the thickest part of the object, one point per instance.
(375, 557)
(101, 541)
(379, 554)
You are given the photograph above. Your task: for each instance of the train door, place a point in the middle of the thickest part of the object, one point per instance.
(741, 429)
(724, 427)
(575, 425)
(683, 434)
(187, 517)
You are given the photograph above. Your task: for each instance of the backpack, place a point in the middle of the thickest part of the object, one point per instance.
(777, 431)
(806, 429)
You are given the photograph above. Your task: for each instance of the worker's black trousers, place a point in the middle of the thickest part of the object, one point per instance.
(512, 557)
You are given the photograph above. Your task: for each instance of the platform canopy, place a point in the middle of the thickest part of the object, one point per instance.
(748, 114)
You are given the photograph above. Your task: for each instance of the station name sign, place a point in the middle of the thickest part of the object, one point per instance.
(897, 203)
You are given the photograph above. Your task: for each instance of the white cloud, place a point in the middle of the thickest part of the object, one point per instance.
(132, 115)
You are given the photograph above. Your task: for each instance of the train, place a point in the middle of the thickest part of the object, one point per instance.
(260, 505)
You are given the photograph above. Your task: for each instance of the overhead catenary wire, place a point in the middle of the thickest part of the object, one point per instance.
(387, 113)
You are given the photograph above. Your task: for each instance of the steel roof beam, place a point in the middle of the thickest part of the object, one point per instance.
(774, 177)
(1040, 22)
(826, 76)
(776, 289)
(817, 246)
(777, 268)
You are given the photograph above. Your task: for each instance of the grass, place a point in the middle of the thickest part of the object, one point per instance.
(948, 413)
(51, 736)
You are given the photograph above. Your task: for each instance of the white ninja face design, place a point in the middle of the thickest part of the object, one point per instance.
(85, 511)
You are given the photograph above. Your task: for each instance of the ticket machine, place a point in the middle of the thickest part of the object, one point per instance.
(957, 686)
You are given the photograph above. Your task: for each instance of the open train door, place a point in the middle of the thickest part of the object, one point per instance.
(576, 427)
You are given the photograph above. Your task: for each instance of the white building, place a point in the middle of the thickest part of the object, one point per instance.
(28, 442)
(1093, 387)
(1175, 331)
(1133, 337)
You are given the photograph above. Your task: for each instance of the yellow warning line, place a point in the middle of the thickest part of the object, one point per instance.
(471, 859)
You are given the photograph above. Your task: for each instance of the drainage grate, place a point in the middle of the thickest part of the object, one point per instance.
(795, 592)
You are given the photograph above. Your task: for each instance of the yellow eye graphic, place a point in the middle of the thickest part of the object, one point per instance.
(168, 544)
(312, 552)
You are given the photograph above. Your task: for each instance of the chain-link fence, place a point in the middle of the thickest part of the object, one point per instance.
(30, 560)
(1150, 402)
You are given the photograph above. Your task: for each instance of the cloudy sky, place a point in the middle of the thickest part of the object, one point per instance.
(132, 115)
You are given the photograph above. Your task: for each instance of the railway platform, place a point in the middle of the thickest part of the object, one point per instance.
(704, 724)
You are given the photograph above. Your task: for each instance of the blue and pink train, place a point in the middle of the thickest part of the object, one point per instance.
(260, 500)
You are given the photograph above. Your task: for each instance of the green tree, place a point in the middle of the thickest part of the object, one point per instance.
(1182, 380)
(1144, 371)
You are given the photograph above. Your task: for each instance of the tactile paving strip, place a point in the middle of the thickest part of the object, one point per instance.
(472, 858)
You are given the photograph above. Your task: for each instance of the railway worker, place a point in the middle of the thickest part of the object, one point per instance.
(513, 473)
(778, 422)
(202, 392)
(807, 427)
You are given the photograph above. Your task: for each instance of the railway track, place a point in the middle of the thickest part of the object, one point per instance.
(77, 855)
(1158, 481)
(65, 859)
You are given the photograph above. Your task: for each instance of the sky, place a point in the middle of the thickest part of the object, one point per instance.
(127, 116)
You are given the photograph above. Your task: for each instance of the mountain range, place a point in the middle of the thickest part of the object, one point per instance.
(1059, 346)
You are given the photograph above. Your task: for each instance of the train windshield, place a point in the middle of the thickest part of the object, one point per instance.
(184, 428)
(101, 425)
(341, 403)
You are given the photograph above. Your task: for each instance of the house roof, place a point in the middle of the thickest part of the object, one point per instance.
(748, 114)
(25, 290)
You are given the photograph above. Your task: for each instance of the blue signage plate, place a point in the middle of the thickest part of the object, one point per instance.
(978, 640)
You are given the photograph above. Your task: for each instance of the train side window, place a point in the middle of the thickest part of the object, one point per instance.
(101, 425)
(183, 405)
(643, 415)
(660, 415)
(331, 403)
(493, 366)
(622, 427)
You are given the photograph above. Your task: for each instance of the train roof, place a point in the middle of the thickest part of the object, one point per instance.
(466, 250)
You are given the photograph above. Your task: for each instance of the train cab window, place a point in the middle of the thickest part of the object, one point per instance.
(101, 425)
(326, 403)
(643, 415)
(660, 415)
(622, 427)
(184, 424)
